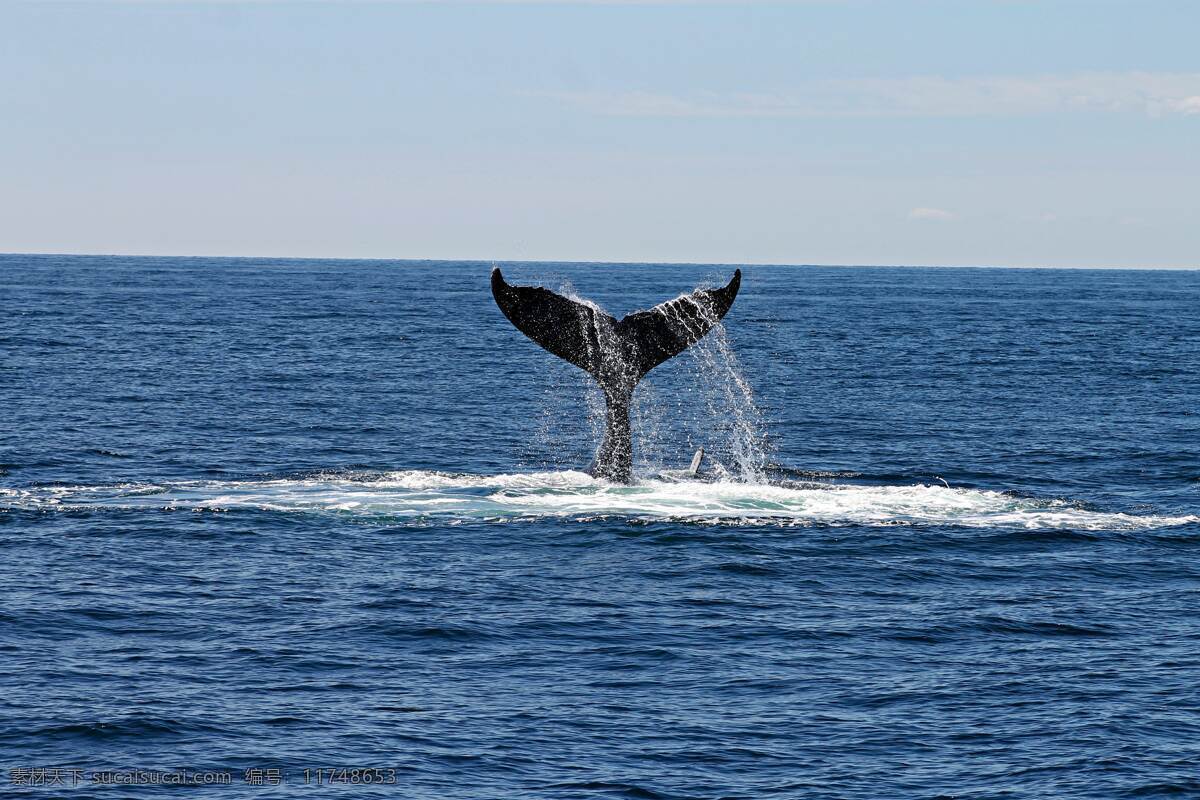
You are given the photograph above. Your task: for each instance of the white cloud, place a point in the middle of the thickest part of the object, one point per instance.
(1188, 105)
(1151, 93)
(936, 214)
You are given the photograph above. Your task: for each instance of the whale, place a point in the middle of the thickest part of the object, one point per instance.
(617, 354)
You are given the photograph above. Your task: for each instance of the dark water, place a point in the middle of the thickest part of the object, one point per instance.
(308, 514)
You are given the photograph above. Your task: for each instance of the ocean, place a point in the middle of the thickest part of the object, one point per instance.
(277, 525)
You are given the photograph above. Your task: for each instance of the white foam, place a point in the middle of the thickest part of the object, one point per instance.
(447, 497)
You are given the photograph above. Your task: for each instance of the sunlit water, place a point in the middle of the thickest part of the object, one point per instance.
(305, 514)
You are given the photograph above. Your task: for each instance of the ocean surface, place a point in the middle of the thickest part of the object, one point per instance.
(322, 527)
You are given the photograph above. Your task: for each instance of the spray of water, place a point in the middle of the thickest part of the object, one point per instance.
(699, 399)
(727, 421)
(605, 340)
(737, 429)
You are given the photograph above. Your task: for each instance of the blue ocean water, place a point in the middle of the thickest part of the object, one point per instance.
(309, 515)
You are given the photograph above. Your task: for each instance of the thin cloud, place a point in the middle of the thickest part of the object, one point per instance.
(1188, 105)
(1154, 94)
(449, 2)
(935, 214)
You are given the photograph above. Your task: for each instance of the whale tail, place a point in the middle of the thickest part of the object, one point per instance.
(617, 354)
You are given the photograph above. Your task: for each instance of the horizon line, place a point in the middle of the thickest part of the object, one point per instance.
(598, 262)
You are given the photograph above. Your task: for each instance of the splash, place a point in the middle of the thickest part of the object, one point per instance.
(416, 497)
(734, 419)
(703, 400)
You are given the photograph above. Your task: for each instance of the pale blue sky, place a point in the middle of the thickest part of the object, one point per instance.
(857, 132)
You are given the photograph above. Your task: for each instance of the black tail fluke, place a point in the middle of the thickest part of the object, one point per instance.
(672, 327)
(597, 343)
(617, 354)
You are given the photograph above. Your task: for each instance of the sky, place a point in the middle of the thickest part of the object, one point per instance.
(941, 132)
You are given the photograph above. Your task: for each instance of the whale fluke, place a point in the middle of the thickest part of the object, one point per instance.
(616, 354)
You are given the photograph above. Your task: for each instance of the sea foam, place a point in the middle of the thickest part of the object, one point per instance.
(419, 495)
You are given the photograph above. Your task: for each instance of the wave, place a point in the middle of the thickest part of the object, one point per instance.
(414, 495)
